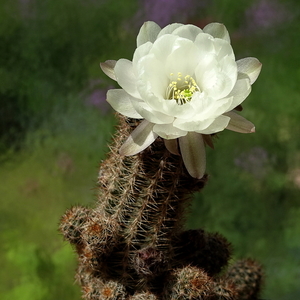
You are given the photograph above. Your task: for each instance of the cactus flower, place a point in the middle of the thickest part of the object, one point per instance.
(184, 84)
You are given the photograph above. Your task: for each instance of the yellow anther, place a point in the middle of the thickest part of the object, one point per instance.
(182, 91)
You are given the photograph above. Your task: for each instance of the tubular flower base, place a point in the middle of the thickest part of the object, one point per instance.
(184, 84)
(132, 246)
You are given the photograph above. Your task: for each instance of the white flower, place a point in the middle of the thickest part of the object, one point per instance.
(184, 83)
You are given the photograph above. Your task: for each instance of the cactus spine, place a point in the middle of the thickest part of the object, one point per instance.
(132, 244)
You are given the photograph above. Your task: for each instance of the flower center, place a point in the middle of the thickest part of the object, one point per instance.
(182, 89)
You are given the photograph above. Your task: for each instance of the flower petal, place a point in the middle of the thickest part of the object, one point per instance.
(211, 108)
(172, 146)
(163, 47)
(192, 125)
(205, 44)
(219, 124)
(250, 66)
(188, 32)
(207, 110)
(217, 84)
(168, 131)
(216, 77)
(125, 77)
(171, 108)
(140, 138)
(151, 115)
(152, 81)
(108, 68)
(217, 30)
(169, 29)
(147, 33)
(193, 154)
(177, 62)
(239, 124)
(140, 53)
(223, 49)
(240, 91)
(121, 102)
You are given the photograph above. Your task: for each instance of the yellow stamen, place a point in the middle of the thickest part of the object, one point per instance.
(182, 92)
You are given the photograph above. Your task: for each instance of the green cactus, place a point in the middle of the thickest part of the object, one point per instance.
(132, 244)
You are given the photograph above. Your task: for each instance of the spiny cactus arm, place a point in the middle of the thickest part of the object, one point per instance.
(209, 251)
(187, 283)
(146, 194)
(247, 277)
(97, 289)
(143, 296)
(71, 224)
(84, 227)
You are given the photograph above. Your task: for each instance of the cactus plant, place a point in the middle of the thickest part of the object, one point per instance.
(132, 244)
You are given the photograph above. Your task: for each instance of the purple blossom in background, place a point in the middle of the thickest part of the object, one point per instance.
(96, 96)
(164, 12)
(98, 99)
(255, 161)
(264, 14)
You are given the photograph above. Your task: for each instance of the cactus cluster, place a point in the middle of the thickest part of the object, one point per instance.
(132, 245)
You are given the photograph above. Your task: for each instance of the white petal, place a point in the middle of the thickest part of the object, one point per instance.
(152, 79)
(168, 131)
(207, 112)
(140, 53)
(163, 47)
(169, 29)
(188, 32)
(192, 125)
(219, 124)
(217, 30)
(223, 49)
(228, 66)
(207, 62)
(125, 77)
(240, 91)
(108, 68)
(183, 58)
(204, 43)
(172, 146)
(193, 154)
(151, 115)
(147, 33)
(250, 66)
(171, 108)
(121, 102)
(239, 124)
(140, 138)
(207, 108)
(153, 92)
(217, 84)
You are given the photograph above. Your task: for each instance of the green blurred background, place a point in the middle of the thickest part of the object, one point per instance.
(55, 127)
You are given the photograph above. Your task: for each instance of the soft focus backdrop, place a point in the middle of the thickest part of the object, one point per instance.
(55, 127)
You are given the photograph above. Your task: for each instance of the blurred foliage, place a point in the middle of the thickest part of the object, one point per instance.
(57, 168)
(47, 49)
(51, 140)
